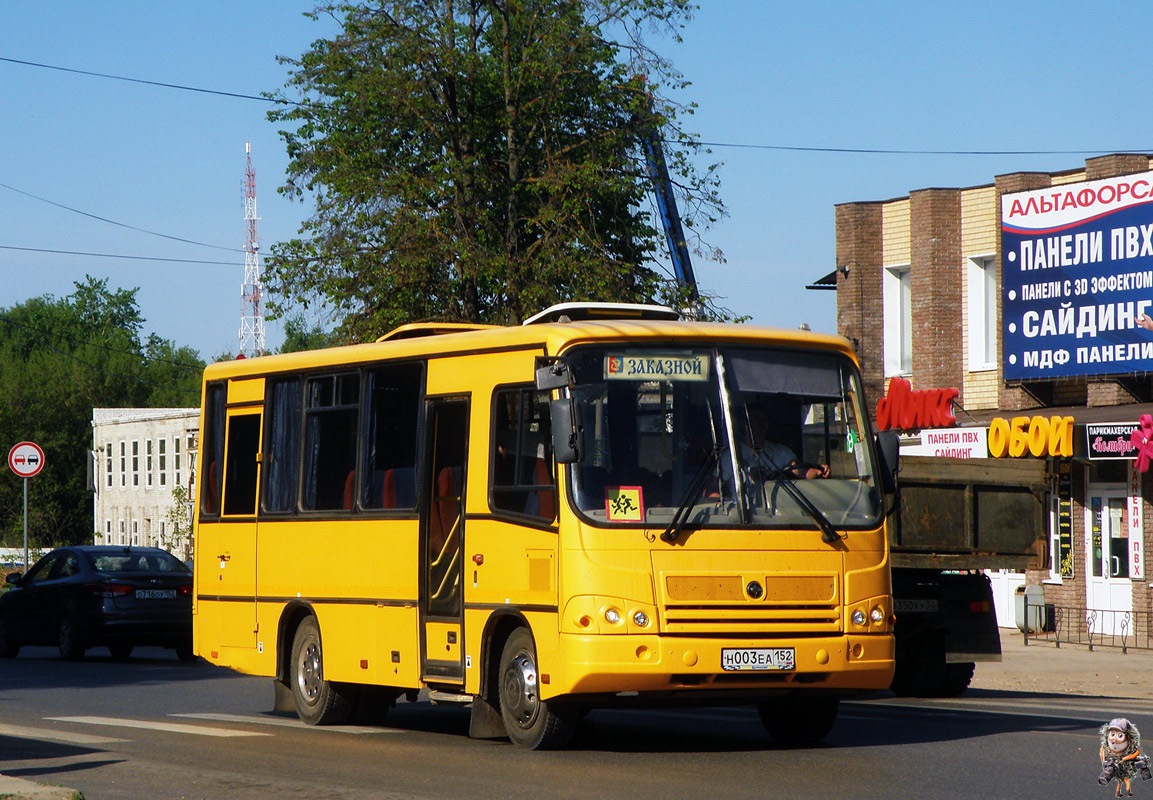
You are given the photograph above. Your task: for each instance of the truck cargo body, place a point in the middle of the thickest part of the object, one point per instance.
(955, 518)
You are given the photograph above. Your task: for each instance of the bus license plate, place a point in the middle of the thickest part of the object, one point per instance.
(757, 659)
(155, 594)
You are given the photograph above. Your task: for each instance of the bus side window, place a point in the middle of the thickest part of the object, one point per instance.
(332, 407)
(392, 422)
(213, 450)
(521, 472)
(240, 476)
(282, 451)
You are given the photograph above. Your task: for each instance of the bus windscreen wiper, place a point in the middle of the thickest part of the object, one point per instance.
(691, 494)
(783, 479)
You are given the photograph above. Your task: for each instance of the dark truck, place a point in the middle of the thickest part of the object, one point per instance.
(953, 518)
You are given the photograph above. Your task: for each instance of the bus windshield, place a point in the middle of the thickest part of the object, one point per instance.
(666, 429)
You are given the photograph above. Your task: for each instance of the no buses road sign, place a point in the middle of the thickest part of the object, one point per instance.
(26, 459)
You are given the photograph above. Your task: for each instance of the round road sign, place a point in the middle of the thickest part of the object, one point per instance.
(26, 459)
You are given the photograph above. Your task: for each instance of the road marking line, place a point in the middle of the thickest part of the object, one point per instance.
(170, 727)
(52, 735)
(287, 722)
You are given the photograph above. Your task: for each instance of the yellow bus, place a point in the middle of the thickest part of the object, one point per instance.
(603, 506)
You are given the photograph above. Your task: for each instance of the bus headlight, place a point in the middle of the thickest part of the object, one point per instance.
(877, 615)
(640, 619)
(858, 618)
(612, 616)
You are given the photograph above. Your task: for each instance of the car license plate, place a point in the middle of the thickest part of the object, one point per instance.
(155, 594)
(757, 659)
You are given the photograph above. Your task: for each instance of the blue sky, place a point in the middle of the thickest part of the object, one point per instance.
(1053, 77)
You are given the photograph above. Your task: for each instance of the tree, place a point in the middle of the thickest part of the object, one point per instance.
(60, 358)
(478, 160)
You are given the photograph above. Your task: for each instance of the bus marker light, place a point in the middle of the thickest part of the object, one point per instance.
(364, 663)
(478, 559)
(584, 621)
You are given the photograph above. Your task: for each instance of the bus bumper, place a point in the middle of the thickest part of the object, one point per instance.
(627, 664)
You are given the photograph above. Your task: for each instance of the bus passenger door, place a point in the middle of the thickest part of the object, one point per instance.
(442, 537)
(234, 550)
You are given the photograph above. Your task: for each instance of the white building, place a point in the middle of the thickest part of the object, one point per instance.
(144, 462)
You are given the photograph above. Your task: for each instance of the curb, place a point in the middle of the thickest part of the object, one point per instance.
(20, 789)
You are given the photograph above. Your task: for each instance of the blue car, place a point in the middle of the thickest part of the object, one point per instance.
(82, 597)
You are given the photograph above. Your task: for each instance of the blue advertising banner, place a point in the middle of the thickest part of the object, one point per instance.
(1077, 278)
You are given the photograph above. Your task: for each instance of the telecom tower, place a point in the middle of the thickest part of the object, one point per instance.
(252, 290)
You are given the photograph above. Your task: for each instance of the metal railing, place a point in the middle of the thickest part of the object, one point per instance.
(1092, 627)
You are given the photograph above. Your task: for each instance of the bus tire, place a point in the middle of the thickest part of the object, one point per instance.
(530, 722)
(318, 702)
(798, 720)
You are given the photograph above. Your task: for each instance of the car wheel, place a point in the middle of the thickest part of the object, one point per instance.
(9, 647)
(120, 652)
(70, 638)
(318, 702)
(529, 721)
(799, 720)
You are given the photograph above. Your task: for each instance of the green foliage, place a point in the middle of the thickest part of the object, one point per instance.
(298, 336)
(59, 359)
(479, 160)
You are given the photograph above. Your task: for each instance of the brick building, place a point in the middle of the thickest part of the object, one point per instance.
(1023, 294)
(144, 462)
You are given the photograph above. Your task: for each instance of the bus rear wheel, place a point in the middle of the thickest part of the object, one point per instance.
(799, 720)
(530, 722)
(318, 702)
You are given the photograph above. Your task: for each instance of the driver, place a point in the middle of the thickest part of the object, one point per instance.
(775, 454)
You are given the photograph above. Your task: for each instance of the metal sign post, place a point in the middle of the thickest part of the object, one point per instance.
(26, 459)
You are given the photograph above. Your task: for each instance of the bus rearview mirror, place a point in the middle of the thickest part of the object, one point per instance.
(566, 438)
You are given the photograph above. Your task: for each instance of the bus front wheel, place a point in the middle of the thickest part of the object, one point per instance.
(799, 720)
(318, 702)
(530, 721)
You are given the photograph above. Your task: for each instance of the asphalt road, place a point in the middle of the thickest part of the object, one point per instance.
(156, 728)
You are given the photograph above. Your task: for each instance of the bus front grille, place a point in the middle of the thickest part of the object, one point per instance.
(751, 620)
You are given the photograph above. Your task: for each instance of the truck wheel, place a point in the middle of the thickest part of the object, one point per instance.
(529, 721)
(799, 720)
(957, 679)
(920, 668)
(318, 702)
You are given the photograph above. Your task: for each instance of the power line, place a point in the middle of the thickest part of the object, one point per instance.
(146, 82)
(899, 152)
(734, 145)
(120, 224)
(114, 255)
